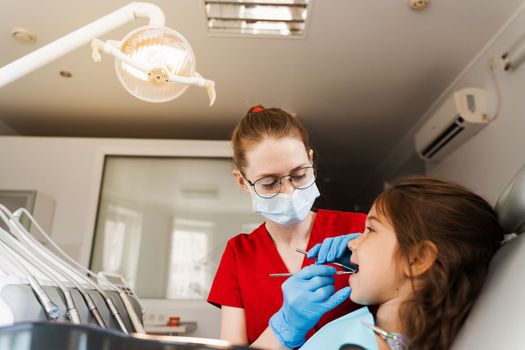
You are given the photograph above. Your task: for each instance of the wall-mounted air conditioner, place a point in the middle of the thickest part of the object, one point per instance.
(460, 117)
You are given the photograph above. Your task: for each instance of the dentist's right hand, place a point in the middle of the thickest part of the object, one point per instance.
(308, 295)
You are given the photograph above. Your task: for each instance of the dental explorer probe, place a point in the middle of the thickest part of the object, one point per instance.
(52, 311)
(68, 273)
(348, 269)
(291, 274)
(139, 328)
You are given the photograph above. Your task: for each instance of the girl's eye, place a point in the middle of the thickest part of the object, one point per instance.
(368, 230)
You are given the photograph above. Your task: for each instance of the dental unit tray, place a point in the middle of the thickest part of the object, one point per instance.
(58, 335)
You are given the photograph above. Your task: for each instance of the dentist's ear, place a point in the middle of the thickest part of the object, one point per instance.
(421, 259)
(240, 180)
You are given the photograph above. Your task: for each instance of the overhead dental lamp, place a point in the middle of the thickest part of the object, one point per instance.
(153, 63)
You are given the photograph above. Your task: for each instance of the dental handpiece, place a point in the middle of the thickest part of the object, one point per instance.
(111, 306)
(51, 309)
(63, 270)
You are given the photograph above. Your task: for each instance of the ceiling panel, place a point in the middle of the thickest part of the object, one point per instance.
(363, 75)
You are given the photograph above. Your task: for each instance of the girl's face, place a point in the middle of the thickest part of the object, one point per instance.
(274, 157)
(382, 274)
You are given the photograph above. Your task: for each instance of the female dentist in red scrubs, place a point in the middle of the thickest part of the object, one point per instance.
(274, 164)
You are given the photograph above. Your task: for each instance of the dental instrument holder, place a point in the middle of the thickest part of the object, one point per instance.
(15, 292)
(66, 271)
(25, 235)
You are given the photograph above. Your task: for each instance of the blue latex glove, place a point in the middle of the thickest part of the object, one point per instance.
(308, 295)
(333, 249)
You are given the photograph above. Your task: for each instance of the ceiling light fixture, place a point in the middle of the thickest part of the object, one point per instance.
(23, 35)
(154, 63)
(418, 5)
(65, 74)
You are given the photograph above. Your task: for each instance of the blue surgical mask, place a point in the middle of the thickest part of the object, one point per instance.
(286, 209)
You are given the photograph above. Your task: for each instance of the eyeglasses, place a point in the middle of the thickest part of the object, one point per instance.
(271, 186)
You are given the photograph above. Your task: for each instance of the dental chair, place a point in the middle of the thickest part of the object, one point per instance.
(497, 320)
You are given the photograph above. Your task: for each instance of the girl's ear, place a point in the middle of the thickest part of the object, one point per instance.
(240, 180)
(422, 259)
(311, 154)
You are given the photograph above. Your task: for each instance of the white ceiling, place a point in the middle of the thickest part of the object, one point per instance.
(364, 74)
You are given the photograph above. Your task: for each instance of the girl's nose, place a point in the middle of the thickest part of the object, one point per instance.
(354, 243)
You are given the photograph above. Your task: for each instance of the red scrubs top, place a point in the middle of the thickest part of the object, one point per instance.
(242, 277)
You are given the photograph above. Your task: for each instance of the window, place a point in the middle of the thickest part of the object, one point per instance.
(191, 265)
(163, 223)
(122, 232)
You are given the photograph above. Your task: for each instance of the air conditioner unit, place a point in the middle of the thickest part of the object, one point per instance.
(460, 117)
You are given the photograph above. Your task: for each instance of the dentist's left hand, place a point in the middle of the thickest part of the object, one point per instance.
(308, 295)
(333, 249)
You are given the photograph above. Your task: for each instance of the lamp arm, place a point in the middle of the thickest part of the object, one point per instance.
(79, 37)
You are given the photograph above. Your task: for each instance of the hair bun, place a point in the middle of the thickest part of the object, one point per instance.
(256, 109)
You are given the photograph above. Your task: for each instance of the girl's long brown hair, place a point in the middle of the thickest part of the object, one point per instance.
(466, 232)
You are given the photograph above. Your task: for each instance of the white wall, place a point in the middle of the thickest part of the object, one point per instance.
(488, 161)
(69, 170)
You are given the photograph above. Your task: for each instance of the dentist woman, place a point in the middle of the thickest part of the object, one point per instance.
(275, 166)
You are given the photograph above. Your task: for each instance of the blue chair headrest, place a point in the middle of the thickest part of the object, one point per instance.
(511, 205)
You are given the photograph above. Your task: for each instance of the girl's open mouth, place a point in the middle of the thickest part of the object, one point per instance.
(354, 267)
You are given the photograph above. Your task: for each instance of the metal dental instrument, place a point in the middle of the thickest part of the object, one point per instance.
(290, 274)
(350, 269)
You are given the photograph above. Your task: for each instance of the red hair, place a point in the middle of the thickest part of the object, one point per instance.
(260, 123)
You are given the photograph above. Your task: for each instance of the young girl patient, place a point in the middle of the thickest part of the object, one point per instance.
(422, 258)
